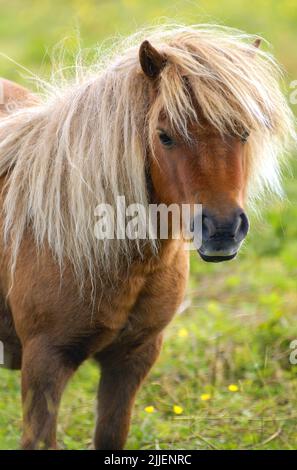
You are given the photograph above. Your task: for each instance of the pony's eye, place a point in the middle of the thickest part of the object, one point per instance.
(244, 136)
(166, 140)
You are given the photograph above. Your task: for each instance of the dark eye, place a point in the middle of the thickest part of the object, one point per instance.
(165, 139)
(244, 137)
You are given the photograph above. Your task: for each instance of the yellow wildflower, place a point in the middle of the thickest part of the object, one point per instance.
(149, 409)
(205, 396)
(233, 388)
(183, 333)
(177, 410)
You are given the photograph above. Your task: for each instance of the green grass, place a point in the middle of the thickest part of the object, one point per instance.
(239, 317)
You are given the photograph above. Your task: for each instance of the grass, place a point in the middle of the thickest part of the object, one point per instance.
(238, 318)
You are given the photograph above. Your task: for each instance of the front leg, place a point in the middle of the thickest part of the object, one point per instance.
(122, 372)
(44, 376)
(126, 363)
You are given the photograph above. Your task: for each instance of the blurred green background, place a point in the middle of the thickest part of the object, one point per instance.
(224, 380)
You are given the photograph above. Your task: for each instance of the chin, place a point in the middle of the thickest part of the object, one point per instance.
(216, 258)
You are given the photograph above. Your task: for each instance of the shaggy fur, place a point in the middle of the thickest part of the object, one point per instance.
(85, 142)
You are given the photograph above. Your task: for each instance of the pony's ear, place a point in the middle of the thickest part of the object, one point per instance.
(151, 61)
(257, 43)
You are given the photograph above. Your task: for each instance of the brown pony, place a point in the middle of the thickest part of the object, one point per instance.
(195, 115)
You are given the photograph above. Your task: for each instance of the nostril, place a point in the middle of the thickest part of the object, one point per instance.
(208, 227)
(220, 230)
(242, 227)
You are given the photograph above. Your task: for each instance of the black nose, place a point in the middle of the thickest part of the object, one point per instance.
(234, 228)
(222, 237)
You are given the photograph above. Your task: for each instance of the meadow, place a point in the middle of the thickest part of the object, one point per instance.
(224, 379)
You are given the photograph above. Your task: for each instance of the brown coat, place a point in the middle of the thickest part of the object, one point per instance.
(49, 330)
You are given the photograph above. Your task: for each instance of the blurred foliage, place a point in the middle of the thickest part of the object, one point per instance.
(240, 316)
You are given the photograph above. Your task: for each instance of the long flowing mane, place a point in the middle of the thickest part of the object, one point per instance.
(86, 140)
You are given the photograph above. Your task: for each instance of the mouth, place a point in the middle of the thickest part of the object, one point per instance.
(216, 258)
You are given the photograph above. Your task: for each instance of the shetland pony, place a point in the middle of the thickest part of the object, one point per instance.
(171, 115)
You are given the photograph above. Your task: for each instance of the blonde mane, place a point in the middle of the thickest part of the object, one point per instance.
(86, 141)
